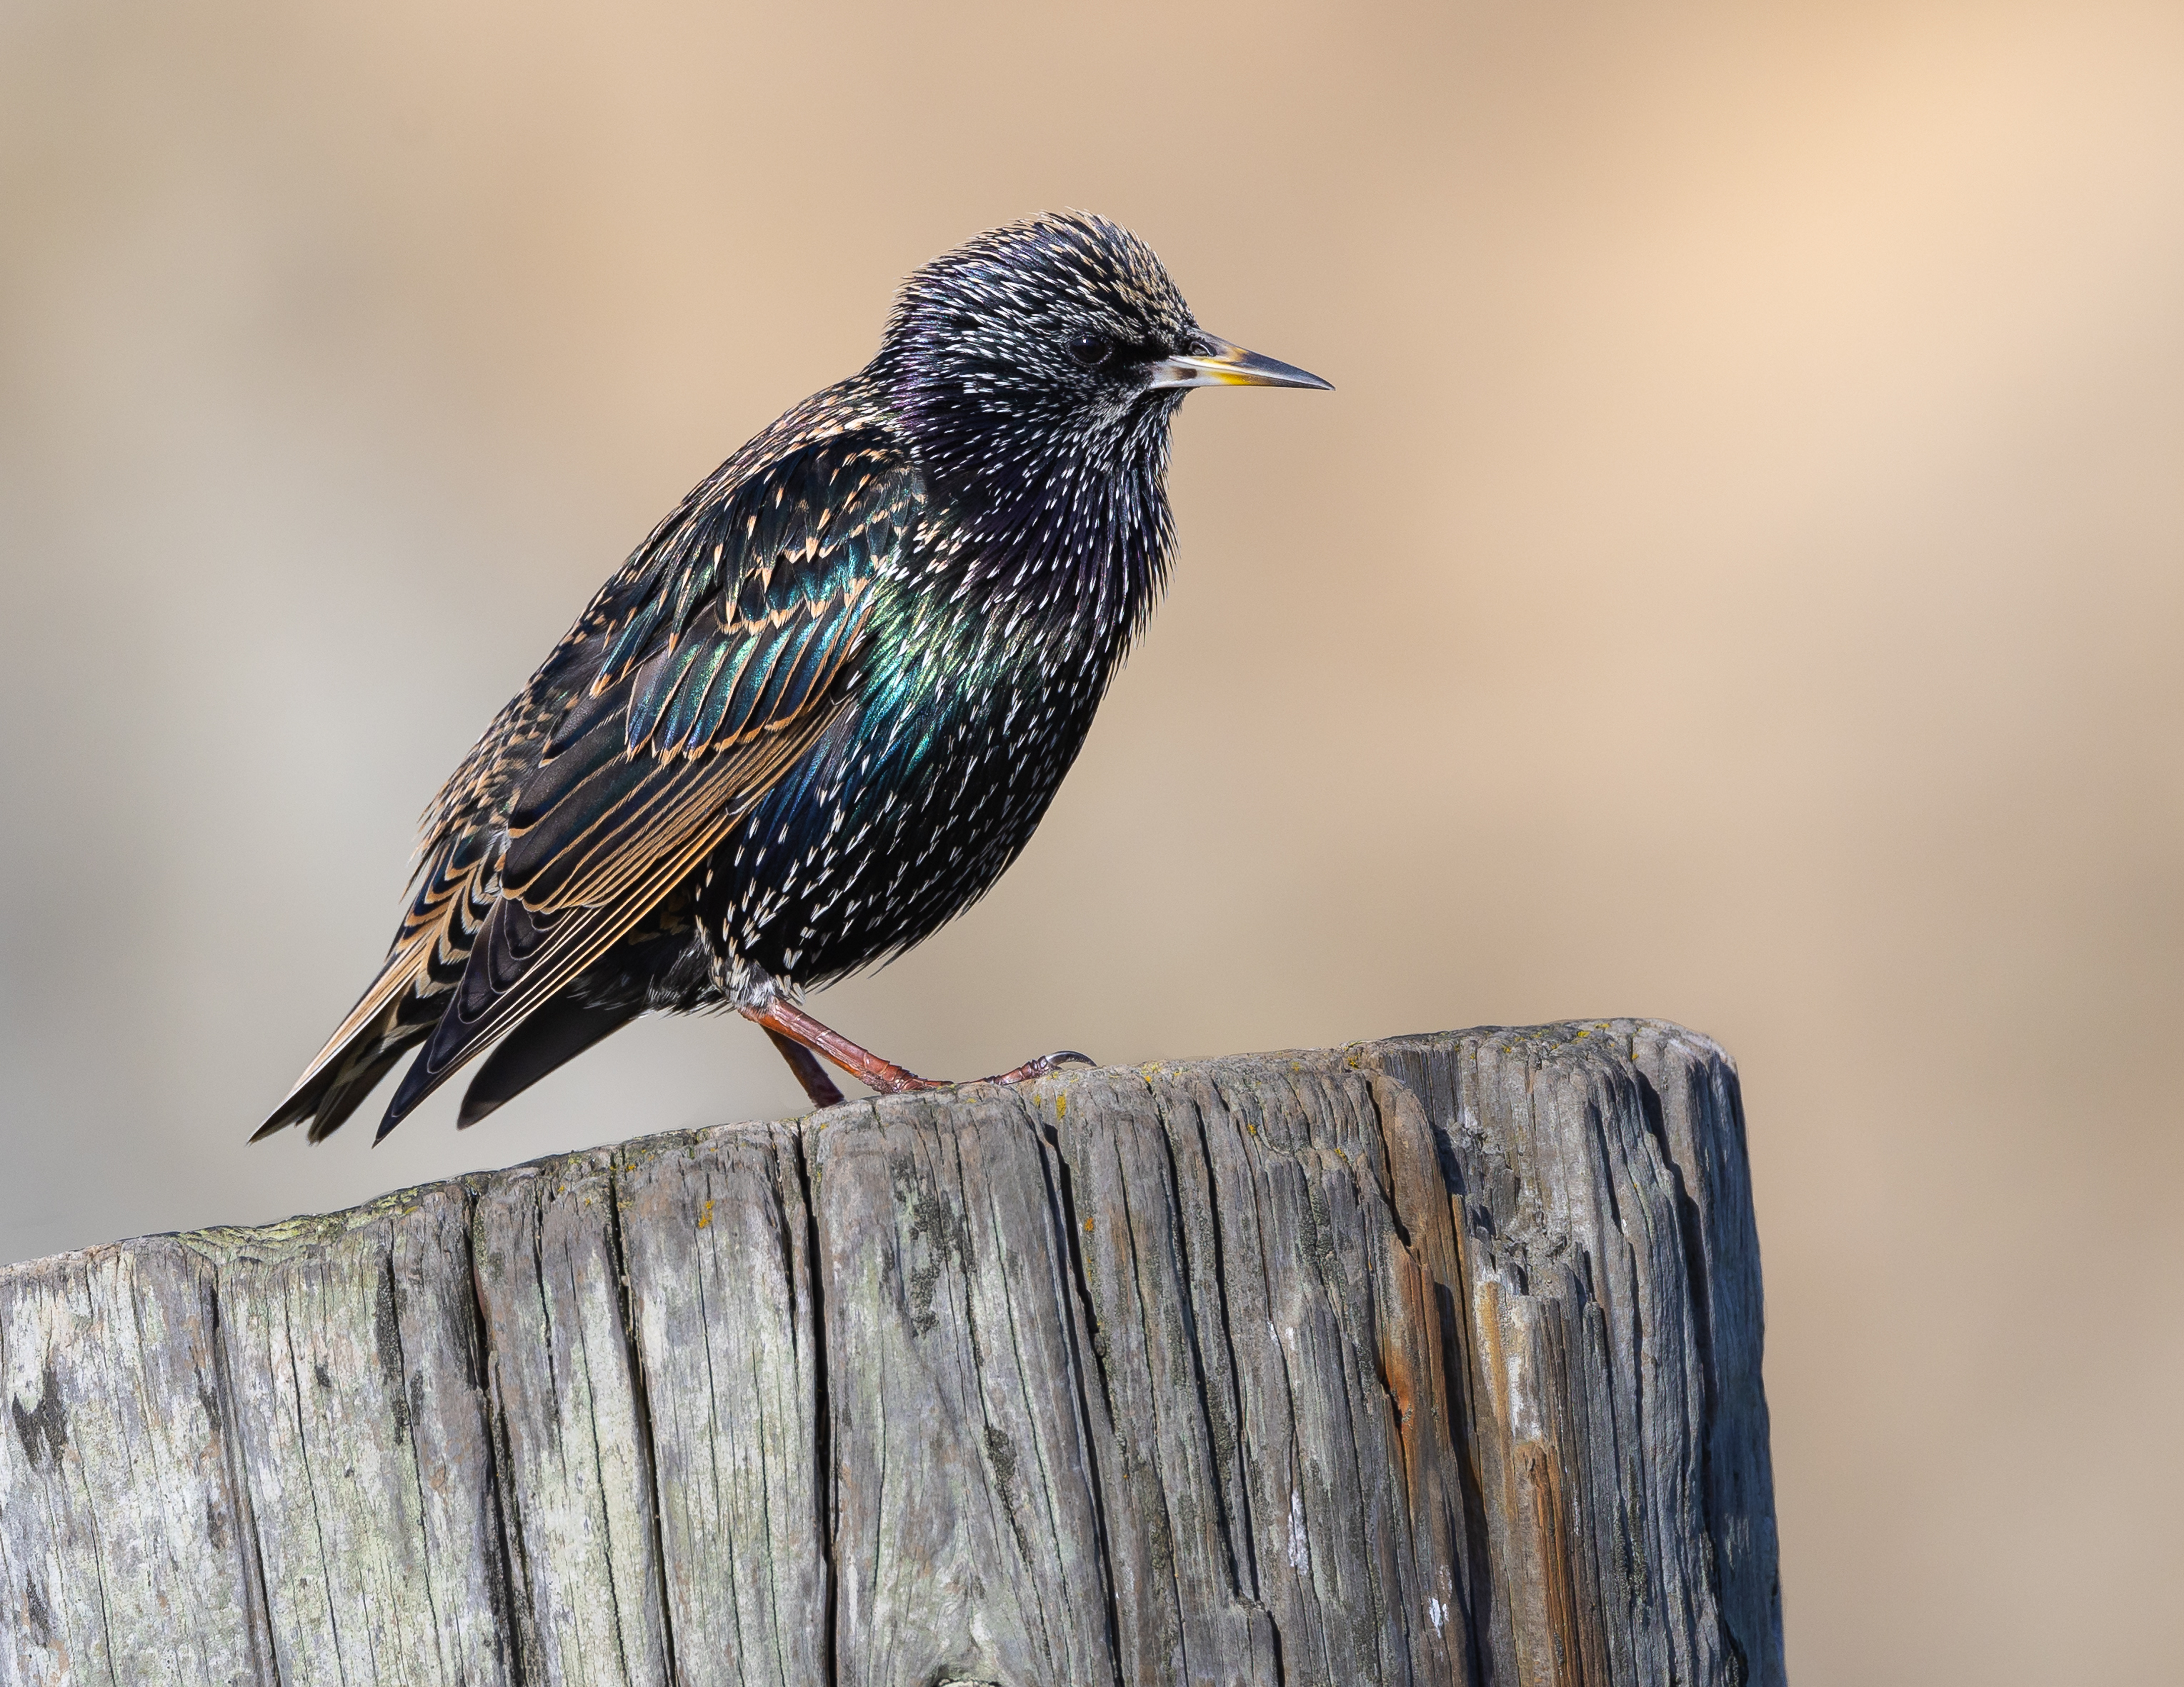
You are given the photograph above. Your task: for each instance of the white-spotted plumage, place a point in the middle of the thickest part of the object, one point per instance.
(826, 703)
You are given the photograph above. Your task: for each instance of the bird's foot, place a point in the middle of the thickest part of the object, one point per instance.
(802, 1039)
(792, 1028)
(1043, 1065)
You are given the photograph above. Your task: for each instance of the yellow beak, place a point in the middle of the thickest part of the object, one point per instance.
(1227, 366)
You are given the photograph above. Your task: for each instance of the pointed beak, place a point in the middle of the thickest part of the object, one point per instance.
(1226, 366)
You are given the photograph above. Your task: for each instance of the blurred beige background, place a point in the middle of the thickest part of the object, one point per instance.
(1739, 580)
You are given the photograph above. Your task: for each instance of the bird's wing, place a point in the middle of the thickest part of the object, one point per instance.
(693, 681)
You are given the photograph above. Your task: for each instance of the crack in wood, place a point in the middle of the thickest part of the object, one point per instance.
(1433, 1360)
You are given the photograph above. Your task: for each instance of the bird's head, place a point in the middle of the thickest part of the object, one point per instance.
(1059, 340)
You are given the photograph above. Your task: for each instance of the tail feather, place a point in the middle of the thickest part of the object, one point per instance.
(552, 1036)
(339, 1081)
(404, 1003)
(347, 1096)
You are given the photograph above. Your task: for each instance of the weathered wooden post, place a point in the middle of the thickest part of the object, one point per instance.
(1433, 1360)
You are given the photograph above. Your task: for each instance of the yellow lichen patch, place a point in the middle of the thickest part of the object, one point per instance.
(705, 1215)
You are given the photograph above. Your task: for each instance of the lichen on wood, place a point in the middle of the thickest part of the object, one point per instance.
(1429, 1360)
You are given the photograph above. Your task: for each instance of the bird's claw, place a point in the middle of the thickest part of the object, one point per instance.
(1042, 1066)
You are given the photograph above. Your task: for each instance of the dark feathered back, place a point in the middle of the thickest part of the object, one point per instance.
(826, 702)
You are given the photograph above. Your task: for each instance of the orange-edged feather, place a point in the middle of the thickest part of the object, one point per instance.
(693, 681)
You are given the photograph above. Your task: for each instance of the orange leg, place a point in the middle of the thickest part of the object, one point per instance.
(809, 1072)
(782, 1018)
(798, 1037)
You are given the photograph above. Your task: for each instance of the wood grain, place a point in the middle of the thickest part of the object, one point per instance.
(1435, 1360)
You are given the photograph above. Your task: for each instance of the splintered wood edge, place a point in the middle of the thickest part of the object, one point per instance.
(223, 1243)
(1723, 1242)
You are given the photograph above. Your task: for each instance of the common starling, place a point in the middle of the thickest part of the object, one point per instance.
(822, 707)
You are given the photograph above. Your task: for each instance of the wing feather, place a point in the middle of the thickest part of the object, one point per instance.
(693, 683)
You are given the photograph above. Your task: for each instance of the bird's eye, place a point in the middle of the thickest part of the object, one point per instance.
(1091, 350)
